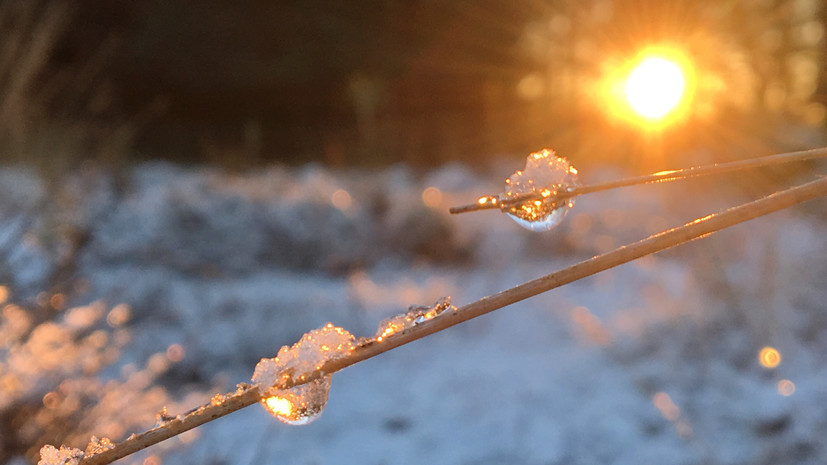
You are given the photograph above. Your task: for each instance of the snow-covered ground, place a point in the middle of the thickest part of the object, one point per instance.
(655, 361)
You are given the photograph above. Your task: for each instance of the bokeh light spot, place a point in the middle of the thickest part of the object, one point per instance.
(341, 199)
(119, 315)
(175, 353)
(786, 387)
(769, 357)
(152, 460)
(432, 197)
(51, 400)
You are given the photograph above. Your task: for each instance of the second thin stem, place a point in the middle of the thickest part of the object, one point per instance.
(662, 176)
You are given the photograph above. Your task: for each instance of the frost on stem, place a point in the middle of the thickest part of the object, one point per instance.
(304, 403)
(544, 177)
(51, 455)
(163, 417)
(415, 315)
(96, 446)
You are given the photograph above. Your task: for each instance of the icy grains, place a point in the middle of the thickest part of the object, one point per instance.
(301, 404)
(415, 315)
(530, 196)
(98, 446)
(51, 455)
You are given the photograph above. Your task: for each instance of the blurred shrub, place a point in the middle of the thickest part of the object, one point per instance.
(203, 221)
(55, 385)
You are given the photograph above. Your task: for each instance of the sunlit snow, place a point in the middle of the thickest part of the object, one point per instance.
(50, 455)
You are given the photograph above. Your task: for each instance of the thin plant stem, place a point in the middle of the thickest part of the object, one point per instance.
(662, 176)
(247, 395)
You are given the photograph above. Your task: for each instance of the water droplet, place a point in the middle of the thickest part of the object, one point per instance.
(304, 403)
(300, 405)
(535, 189)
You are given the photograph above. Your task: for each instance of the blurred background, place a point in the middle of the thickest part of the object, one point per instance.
(244, 84)
(187, 186)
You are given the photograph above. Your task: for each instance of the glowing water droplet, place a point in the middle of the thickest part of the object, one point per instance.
(304, 403)
(545, 175)
(300, 405)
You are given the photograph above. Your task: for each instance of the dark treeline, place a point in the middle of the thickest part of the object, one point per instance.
(373, 82)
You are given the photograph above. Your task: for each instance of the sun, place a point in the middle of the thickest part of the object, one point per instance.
(655, 87)
(651, 90)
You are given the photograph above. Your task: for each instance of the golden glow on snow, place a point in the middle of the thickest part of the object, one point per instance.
(390, 329)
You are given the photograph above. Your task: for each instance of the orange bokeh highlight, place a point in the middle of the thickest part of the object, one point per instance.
(769, 357)
(432, 197)
(341, 199)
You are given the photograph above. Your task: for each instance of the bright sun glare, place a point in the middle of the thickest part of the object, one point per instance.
(655, 87)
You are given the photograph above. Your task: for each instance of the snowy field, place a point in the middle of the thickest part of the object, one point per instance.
(656, 361)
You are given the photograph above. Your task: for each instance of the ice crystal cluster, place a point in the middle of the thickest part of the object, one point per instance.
(544, 177)
(415, 315)
(304, 403)
(51, 455)
(97, 446)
